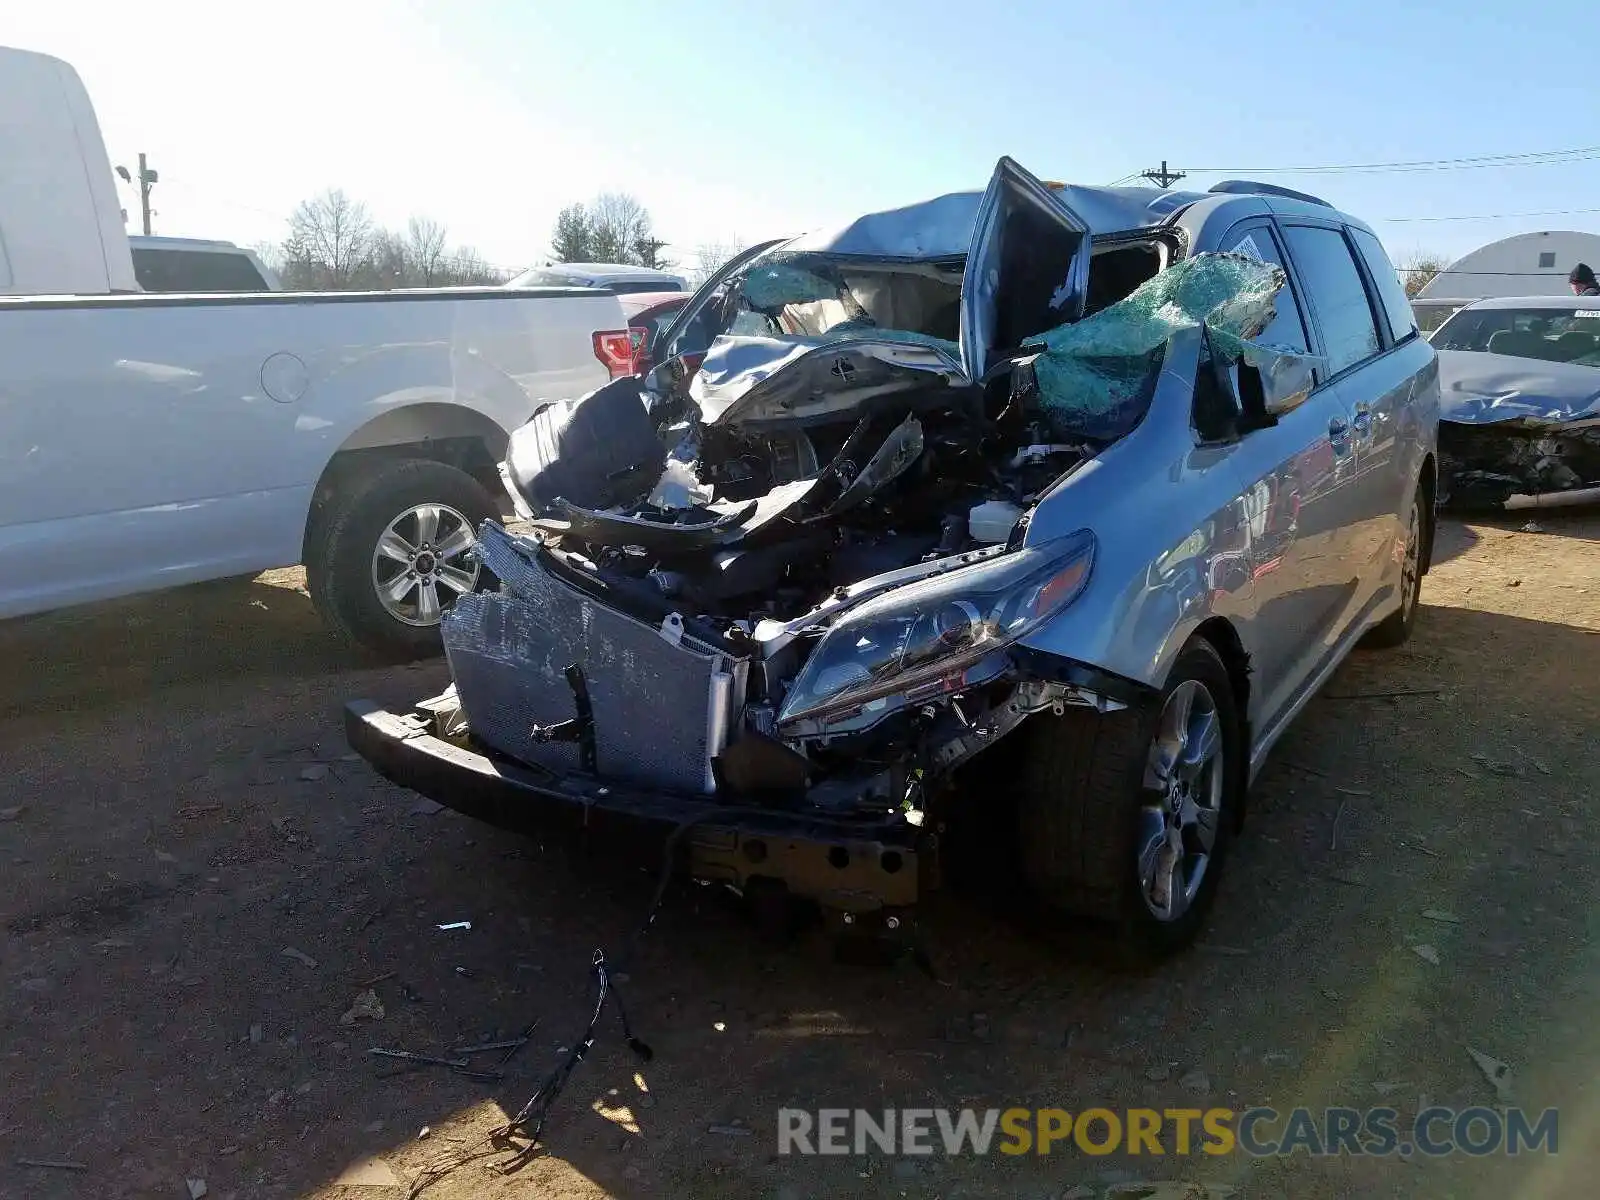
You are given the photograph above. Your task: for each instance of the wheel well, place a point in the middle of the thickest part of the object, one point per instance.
(464, 439)
(1428, 481)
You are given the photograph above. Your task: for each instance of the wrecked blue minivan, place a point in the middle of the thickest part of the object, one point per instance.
(1046, 507)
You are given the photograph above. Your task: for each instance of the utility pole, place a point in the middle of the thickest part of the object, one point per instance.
(147, 179)
(649, 250)
(1164, 177)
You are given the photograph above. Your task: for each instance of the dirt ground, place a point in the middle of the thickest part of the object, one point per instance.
(178, 812)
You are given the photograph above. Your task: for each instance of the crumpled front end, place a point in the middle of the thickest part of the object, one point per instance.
(831, 614)
(1518, 433)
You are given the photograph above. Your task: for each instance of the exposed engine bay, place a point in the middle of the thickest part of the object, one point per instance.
(727, 563)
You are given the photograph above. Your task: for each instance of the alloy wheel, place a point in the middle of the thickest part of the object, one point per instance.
(422, 562)
(1184, 788)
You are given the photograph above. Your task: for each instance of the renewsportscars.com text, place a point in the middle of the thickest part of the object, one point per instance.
(1258, 1132)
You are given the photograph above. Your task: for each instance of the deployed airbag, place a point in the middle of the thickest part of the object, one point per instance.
(595, 452)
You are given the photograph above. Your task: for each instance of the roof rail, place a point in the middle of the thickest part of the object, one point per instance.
(1248, 187)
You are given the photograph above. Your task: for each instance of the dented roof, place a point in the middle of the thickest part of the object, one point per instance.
(943, 227)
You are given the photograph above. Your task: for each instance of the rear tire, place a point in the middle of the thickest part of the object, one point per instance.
(414, 505)
(1395, 629)
(1100, 833)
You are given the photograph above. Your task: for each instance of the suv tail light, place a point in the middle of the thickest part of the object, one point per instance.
(614, 348)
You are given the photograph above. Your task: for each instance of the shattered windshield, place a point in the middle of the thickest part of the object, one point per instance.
(1095, 375)
(787, 294)
(1548, 334)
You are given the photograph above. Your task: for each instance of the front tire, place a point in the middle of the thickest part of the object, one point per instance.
(1126, 817)
(391, 554)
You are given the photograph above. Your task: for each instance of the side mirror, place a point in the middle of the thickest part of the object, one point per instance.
(1224, 410)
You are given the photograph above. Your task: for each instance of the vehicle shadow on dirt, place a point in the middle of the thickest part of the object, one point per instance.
(103, 654)
(1319, 930)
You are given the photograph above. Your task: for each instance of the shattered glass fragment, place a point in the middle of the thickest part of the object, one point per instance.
(1092, 371)
(775, 284)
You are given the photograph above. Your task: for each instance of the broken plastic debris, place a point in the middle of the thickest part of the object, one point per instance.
(1439, 915)
(299, 956)
(314, 772)
(1496, 1072)
(1092, 371)
(1496, 766)
(366, 1007)
(374, 1172)
(197, 1188)
(1426, 953)
(12, 813)
(679, 487)
(456, 925)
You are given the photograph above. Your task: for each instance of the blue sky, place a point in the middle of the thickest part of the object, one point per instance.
(758, 118)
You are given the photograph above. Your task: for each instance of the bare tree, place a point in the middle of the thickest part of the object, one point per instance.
(425, 251)
(331, 241)
(711, 257)
(334, 245)
(1417, 268)
(618, 223)
(465, 267)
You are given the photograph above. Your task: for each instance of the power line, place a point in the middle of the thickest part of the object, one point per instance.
(1549, 212)
(1529, 159)
(1507, 274)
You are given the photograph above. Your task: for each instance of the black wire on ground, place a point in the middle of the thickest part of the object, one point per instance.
(531, 1117)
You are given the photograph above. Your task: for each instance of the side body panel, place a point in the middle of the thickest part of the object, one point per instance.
(1277, 532)
(153, 441)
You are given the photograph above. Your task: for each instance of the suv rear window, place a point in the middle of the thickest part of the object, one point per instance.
(1338, 296)
(195, 271)
(1396, 306)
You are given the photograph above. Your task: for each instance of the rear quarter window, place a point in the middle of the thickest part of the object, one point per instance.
(1336, 293)
(195, 271)
(1396, 307)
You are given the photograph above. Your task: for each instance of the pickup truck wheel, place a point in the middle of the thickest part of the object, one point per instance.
(1396, 628)
(1125, 817)
(393, 553)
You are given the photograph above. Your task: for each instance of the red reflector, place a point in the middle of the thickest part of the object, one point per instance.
(614, 348)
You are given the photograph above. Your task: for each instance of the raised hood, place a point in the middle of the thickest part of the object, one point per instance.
(1025, 270)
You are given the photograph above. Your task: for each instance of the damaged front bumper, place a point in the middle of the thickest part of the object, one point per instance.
(866, 872)
(1519, 464)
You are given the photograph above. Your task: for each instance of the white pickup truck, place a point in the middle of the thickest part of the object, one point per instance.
(148, 440)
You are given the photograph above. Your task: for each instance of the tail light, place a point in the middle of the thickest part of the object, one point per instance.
(640, 337)
(614, 348)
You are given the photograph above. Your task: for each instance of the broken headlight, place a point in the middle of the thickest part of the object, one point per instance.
(937, 636)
